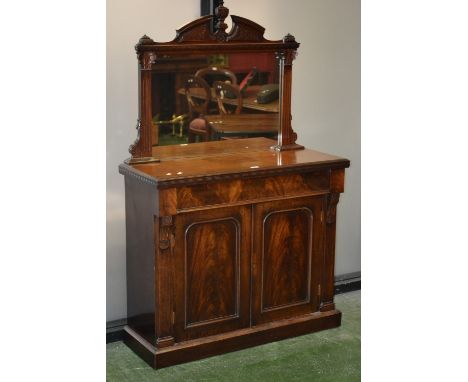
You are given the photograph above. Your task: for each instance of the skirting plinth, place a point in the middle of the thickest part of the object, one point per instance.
(223, 343)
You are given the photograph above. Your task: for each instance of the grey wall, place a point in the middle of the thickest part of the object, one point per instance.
(326, 101)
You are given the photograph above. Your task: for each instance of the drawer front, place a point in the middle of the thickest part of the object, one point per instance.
(287, 258)
(252, 189)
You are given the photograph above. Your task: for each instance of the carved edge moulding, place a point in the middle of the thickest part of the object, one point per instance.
(197, 37)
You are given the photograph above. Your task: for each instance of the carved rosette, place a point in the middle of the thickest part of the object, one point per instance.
(333, 199)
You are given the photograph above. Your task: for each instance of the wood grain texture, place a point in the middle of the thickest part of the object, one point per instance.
(245, 190)
(217, 165)
(287, 258)
(213, 272)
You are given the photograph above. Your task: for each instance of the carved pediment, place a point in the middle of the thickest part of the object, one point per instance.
(245, 30)
(197, 30)
(200, 30)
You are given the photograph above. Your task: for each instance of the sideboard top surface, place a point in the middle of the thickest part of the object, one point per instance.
(207, 161)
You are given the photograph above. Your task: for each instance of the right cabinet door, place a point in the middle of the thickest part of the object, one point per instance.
(287, 258)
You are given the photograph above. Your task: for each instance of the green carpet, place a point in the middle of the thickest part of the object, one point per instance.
(331, 355)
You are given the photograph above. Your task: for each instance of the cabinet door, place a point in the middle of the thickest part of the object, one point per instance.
(287, 258)
(212, 271)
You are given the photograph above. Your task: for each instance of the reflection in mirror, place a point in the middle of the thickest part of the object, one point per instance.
(214, 97)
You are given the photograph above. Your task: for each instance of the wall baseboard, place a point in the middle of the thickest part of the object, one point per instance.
(348, 282)
(343, 283)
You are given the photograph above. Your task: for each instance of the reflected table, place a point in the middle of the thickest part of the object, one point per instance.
(243, 125)
(249, 99)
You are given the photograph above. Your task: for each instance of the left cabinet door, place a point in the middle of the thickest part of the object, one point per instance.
(212, 271)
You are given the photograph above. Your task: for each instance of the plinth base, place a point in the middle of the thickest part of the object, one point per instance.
(223, 343)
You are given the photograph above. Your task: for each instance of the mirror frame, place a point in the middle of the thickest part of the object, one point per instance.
(198, 37)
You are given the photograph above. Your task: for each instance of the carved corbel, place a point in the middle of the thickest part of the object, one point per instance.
(166, 233)
(332, 202)
(165, 283)
(146, 60)
(134, 148)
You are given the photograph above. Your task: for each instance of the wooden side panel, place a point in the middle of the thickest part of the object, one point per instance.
(287, 258)
(140, 209)
(212, 255)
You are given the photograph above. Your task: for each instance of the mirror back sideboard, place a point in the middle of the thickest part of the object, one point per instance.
(230, 240)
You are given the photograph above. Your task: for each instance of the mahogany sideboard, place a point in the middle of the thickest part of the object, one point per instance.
(229, 245)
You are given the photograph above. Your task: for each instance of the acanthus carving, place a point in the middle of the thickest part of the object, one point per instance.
(166, 233)
(332, 202)
(147, 59)
(134, 148)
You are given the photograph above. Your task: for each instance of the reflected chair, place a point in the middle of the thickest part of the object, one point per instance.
(198, 94)
(235, 101)
(214, 73)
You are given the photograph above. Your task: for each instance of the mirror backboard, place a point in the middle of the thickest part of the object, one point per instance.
(209, 84)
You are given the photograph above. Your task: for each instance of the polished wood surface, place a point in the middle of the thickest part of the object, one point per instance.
(249, 99)
(243, 247)
(229, 158)
(288, 258)
(185, 150)
(213, 272)
(236, 340)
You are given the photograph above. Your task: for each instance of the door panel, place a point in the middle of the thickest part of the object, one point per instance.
(287, 258)
(212, 270)
(213, 261)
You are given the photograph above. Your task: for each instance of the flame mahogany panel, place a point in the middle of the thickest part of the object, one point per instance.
(287, 250)
(287, 257)
(243, 190)
(212, 272)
